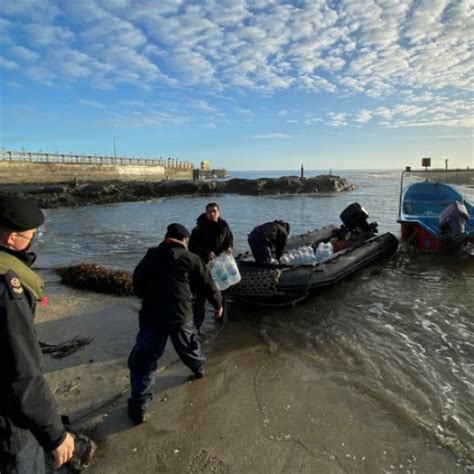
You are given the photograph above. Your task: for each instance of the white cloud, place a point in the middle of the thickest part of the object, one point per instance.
(400, 53)
(245, 112)
(23, 53)
(271, 136)
(46, 35)
(41, 74)
(210, 125)
(92, 103)
(337, 119)
(122, 32)
(7, 64)
(312, 120)
(202, 106)
(363, 116)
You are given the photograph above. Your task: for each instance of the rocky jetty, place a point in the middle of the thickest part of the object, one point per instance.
(74, 194)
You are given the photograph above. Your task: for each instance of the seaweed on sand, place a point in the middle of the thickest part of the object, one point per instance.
(89, 276)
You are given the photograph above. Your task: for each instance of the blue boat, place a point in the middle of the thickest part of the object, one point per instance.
(435, 217)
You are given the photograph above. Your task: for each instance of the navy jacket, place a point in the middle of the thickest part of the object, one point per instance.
(274, 234)
(26, 401)
(209, 236)
(166, 279)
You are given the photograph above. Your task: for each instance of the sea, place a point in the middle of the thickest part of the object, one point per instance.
(401, 333)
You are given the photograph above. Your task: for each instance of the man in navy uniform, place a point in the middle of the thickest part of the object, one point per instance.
(29, 419)
(165, 280)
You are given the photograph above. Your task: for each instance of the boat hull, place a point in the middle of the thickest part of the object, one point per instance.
(280, 285)
(421, 205)
(421, 239)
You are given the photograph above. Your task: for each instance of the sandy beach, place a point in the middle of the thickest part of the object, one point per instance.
(261, 407)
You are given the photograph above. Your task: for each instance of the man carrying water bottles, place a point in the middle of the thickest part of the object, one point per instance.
(210, 237)
(165, 280)
(266, 236)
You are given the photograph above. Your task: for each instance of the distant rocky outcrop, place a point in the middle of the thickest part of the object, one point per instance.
(77, 194)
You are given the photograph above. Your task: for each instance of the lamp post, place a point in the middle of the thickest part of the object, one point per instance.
(115, 149)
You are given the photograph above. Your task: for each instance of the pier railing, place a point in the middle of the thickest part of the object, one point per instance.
(41, 157)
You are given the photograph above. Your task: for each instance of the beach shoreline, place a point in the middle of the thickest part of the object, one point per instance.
(261, 407)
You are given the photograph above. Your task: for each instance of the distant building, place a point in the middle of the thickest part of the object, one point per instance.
(206, 172)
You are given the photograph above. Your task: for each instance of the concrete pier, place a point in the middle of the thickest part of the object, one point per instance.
(24, 167)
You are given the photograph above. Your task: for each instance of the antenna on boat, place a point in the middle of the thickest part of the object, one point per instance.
(406, 170)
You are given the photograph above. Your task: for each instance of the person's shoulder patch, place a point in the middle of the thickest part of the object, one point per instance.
(14, 285)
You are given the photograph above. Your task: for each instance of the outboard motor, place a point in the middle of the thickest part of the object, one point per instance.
(355, 217)
(452, 223)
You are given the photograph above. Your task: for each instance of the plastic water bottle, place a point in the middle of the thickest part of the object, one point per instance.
(224, 271)
(323, 251)
(219, 274)
(231, 268)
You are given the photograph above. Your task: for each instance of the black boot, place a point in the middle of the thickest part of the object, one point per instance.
(199, 372)
(137, 416)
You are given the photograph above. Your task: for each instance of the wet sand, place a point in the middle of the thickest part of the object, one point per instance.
(259, 408)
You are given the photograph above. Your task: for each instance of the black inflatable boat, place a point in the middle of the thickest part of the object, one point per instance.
(279, 285)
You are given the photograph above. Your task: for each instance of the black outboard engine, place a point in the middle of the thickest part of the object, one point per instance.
(452, 223)
(354, 217)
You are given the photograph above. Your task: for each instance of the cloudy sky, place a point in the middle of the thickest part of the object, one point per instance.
(247, 84)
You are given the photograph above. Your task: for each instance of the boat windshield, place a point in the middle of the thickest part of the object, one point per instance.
(423, 208)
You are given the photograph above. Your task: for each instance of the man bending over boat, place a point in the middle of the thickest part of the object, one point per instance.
(267, 236)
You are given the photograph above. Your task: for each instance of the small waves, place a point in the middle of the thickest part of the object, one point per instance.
(402, 336)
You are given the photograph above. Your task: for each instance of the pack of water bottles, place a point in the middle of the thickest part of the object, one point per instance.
(224, 271)
(323, 251)
(306, 255)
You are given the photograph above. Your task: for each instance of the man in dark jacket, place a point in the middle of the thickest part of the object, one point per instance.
(210, 237)
(267, 236)
(29, 420)
(166, 280)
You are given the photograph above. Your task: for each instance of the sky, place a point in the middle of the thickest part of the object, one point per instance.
(245, 84)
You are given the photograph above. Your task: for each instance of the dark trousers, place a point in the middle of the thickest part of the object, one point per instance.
(260, 249)
(199, 309)
(29, 460)
(149, 347)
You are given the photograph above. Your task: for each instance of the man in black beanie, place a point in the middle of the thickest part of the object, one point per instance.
(165, 280)
(29, 420)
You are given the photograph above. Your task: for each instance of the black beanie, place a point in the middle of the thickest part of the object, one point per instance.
(177, 231)
(19, 214)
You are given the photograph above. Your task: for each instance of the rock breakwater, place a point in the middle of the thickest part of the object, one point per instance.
(74, 195)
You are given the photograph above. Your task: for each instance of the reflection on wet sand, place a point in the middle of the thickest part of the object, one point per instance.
(313, 388)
